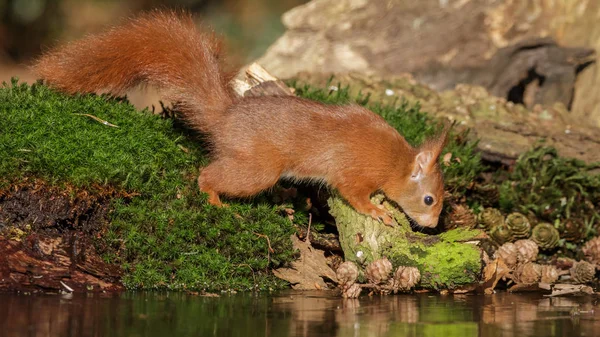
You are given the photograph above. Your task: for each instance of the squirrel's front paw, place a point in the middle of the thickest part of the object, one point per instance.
(383, 216)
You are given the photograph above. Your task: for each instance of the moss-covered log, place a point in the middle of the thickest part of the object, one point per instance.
(445, 261)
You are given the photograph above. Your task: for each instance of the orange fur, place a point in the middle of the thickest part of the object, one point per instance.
(256, 140)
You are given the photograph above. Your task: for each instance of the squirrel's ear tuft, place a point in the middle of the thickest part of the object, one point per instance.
(435, 146)
(442, 139)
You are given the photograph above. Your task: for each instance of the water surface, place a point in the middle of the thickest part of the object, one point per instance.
(311, 314)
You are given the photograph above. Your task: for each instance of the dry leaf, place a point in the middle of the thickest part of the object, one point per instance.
(447, 158)
(290, 213)
(492, 274)
(307, 272)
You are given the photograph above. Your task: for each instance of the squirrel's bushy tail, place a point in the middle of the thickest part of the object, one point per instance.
(161, 48)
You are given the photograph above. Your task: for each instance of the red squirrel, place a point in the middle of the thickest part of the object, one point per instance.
(255, 141)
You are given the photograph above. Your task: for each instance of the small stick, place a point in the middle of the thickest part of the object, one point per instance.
(101, 121)
(69, 289)
(308, 230)
(252, 270)
(270, 250)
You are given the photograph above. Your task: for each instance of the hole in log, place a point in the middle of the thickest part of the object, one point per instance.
(524, 91)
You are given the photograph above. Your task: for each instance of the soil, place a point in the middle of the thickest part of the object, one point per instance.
(48, 238)
(52, 209)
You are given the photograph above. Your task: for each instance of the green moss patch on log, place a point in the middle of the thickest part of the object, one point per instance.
(445, 261)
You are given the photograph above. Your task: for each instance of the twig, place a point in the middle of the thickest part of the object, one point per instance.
(375, 286)
(308, 231)
(382, 288)
(270, 250)
(101, 121)
(69, 289)
(569, 289)
(268, 241)
(257, 74)
(252, 270)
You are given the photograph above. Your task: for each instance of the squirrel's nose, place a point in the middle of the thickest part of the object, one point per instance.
(428, 221)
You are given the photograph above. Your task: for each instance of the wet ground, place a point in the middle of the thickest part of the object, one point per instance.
(296, 314)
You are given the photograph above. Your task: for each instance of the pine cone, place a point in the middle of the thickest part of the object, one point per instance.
(347, 273)
(591, 249)
(379, 271)
(405, 278)
(519, 225)
(461, 216)
(545, 235)
(352, 292)
(527, 251)
(572, 230)
(508, 253)
(334, 261)
(583, 272)
(487, 194)
(500, 233)
(490, 217)
(528, 273)
(549, 274)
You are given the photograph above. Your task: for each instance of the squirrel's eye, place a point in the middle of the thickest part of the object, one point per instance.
(428, 200)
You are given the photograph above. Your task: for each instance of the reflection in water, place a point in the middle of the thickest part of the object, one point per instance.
(296, 314)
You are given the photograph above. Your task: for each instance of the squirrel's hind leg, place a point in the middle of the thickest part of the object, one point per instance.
(236, 178)
(213, 196)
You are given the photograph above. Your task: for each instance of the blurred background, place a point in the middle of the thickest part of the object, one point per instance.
(28, 27)
(540, 54)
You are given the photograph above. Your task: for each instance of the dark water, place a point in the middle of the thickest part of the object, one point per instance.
(311, 314)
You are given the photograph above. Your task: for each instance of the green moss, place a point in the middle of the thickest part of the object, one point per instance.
(164, 237)
(445, 264)
(553, 188)
(443, 260)
(459, 235)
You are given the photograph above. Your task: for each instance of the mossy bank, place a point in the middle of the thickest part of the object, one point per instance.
(132, 177)
(158, 227)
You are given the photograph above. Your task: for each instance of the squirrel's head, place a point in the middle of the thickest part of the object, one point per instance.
(422, 195)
